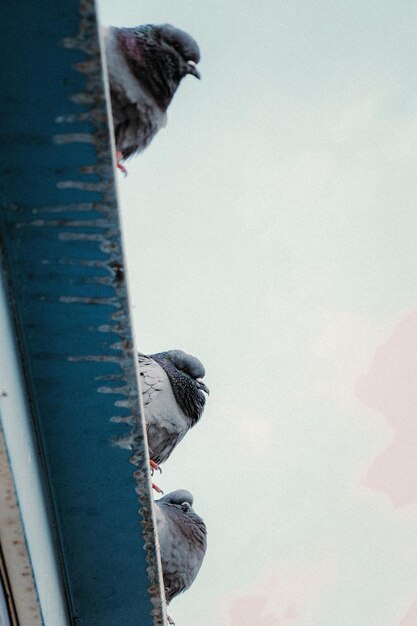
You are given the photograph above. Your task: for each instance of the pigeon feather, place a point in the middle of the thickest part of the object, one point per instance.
(182, 539)
(173, 398)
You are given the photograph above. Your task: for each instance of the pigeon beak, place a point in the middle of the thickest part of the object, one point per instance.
(192, 69)
(202, 386)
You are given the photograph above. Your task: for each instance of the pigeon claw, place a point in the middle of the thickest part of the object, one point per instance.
(157, 489)
(119, 155)
(154, 467)
(170, 620)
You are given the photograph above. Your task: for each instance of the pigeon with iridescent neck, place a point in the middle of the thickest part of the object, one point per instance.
(173, 398)
(145, 67)
(182, 539)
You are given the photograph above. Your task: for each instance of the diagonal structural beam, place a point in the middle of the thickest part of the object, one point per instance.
(65, 289)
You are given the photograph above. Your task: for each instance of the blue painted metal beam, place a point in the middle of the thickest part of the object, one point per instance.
(62, 253)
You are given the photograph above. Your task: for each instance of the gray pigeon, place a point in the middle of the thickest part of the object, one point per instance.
(173, 398)
(145, 66)
(182, 539)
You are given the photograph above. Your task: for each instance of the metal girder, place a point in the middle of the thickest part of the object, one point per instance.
(64, 271)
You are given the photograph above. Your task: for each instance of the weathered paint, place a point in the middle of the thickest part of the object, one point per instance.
(62, 249)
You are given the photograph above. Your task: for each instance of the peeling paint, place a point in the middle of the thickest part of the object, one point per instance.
(97, 358)
(74, 138)
(79, 237)
(86, 300)
(97, 223)
(78, 184)
(81, 207)
(118, 390)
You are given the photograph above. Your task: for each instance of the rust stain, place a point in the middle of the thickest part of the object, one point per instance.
(14, 557)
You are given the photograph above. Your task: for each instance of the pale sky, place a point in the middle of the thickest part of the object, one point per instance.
(271, 231)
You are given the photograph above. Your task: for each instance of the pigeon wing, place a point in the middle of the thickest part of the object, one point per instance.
(165, 424)
(182, 537)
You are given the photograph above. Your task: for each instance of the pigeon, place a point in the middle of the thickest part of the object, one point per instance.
(173, 399)
(182, 539)
(145, 65)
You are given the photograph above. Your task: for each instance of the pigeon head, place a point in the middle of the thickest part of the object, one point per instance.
(159, 56)
(184, 372)
(181, 497)
(178, 506)
(185, 46)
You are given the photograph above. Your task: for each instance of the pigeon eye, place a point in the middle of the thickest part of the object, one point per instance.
(185, 506)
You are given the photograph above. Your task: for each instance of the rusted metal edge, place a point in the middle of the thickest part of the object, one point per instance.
(109, 241)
